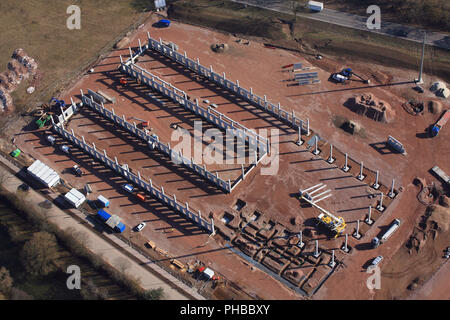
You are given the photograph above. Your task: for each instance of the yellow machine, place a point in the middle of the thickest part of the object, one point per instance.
(335, 224)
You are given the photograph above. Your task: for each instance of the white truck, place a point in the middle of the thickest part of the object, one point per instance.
(394, 225)
(315, 6)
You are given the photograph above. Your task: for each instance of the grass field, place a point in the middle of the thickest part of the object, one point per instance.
(39, 27)
(343, 43)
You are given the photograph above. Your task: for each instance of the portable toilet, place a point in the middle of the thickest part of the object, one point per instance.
(103, 201)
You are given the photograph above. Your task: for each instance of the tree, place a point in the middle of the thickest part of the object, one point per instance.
(154, 294)
(39, 252)
(6, 282)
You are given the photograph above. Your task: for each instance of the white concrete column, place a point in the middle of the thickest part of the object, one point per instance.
(316, 149)
(243, 172)
(299, 141)
(307, 127)
(346, 167)
(361, 176)
(376, 185)
(391, 193)
(380, 205)
(369, 216)
(330, 158)
(212, 226)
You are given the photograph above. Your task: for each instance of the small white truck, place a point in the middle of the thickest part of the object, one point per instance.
(315, 6)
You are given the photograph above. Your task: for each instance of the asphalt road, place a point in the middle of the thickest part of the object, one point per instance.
(356, 22)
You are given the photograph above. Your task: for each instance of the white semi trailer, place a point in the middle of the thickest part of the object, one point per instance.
(315, 6)
(394, 225)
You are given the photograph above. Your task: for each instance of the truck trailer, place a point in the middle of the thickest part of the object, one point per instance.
(111, 221)
(394, 225)
(440, 123)
(315, 6)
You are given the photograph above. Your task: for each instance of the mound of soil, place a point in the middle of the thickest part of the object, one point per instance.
(440, 216)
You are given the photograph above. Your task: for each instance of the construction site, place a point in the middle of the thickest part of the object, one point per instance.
(275, 170)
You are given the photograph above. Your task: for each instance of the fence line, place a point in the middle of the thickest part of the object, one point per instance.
(261, 102)
(148, 187)
(154, 143)
(255, 141)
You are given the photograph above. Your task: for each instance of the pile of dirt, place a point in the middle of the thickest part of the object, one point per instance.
(445, 201)
(20, 67)
(439, 218)
(220, 47)
(435, 107)
(414, 107)
(371, 107)
(440, 89)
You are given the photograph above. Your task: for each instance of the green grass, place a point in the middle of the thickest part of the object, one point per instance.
(39, 27)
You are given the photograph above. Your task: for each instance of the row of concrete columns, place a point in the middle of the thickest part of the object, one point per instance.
(346, 167)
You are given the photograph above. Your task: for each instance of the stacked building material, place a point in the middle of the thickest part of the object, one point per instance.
(20, 67)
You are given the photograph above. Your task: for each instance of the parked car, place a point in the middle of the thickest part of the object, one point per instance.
(77, 171)
(24, 187)
(129, 188)
(64, 148)
(140, 226)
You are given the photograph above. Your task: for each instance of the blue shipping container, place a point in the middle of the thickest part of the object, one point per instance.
(120, 227)
(102, 214)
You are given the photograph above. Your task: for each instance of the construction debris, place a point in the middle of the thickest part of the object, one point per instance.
(371, 107)
(440, 89)
(220, 48)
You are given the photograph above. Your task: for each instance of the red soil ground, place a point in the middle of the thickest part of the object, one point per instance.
(274, 195)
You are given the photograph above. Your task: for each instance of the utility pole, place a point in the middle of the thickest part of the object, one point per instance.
(420, 80)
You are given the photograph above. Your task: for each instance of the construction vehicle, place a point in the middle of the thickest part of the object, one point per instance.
(43, 120)
(348, 73)
(440, 123)
(58, 103)
(394, 225)
(335, 224)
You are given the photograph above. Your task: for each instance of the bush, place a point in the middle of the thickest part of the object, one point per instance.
(154, 294)
(38, 253)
